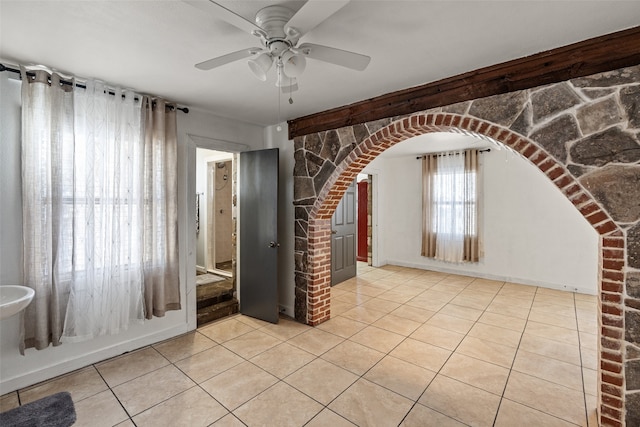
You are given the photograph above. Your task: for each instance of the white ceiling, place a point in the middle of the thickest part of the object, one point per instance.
(435, 142)
(152, 45)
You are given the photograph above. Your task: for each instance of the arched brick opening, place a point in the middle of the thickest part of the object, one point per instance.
(584, 134)
(612, 241)
(319, 220)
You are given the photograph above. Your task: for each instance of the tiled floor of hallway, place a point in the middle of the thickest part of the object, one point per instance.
(404, 347)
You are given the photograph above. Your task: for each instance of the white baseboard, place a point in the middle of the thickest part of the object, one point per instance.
(502, 278)
(44, 373)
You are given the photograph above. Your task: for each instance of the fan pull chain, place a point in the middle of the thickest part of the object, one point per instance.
(278, 128)
(290, 92)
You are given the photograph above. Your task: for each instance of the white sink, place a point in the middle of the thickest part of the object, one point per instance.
(13, 299)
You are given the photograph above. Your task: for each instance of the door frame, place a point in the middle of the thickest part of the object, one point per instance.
(189, 238)
(210, 263)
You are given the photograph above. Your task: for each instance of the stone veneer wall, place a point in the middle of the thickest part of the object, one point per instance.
(583, 134)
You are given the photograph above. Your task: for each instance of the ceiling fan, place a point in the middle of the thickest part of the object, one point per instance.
(279, 30)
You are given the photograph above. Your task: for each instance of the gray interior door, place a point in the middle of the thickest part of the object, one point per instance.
(258, 193)
(343, 238)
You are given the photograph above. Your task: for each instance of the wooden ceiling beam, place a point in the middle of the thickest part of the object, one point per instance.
(596, 55)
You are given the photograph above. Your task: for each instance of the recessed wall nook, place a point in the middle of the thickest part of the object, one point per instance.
(583, 134)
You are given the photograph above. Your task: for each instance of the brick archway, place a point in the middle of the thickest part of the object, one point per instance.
(319, 219)
(612, 240)
(583, 134)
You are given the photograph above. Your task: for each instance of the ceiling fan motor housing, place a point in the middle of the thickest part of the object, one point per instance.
(272, 20)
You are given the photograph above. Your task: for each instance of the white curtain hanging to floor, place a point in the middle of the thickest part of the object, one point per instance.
(105, 206)
(99, 209)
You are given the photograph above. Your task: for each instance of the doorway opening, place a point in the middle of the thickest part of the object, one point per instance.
(351, 231)
(215, 246)
(219, 219)
(365, 217)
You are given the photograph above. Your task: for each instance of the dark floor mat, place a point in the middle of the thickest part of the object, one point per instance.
(56, 410)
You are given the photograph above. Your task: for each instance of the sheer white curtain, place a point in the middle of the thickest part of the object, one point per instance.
(99, 209)
(104, 208)
(448, 209)
(450, 231)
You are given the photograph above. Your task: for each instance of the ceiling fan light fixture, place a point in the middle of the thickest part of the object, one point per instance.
(285, 81)
(260, 65)
(293, 64)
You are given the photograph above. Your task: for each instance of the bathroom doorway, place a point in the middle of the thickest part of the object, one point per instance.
(219, 217)
(215, 245)
(214, 212)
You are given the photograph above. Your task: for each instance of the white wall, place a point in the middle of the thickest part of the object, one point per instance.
(286, 216)
(10, 183)
(531, 233)
(18, 371)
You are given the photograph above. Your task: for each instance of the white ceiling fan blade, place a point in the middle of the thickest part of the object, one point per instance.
(311, 14)
(229, 57)
(220, 12)
(344, 58)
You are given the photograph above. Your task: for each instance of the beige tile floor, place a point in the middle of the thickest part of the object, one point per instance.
(404, 347)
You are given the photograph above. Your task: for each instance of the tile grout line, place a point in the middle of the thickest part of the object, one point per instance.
(584, 390)
(478, 321)
(502, 396)
(361, 376)
(114, 394)
(375, 364)
(415, 402)
(451, 351)
(534, 376)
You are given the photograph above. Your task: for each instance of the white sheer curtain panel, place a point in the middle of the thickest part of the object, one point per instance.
(100, 213)
(104, 208)
(448, 212)
(83, 210)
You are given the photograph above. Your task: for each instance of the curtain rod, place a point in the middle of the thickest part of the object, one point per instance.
(486, 150)
(81, 86)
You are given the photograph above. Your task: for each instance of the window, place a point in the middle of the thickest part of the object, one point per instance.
(450, 205)
(99, 209)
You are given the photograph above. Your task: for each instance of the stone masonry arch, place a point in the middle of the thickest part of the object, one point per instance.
(583, 134)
